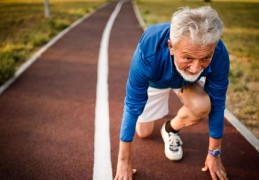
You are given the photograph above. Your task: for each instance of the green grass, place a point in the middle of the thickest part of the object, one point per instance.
(24, 29)
(241, 36)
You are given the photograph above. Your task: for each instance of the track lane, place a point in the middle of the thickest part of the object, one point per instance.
(47, 115)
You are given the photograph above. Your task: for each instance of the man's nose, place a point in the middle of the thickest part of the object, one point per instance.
(196, 67)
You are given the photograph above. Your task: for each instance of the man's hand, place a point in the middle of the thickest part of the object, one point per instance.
(124, 167)
(214, 165)
(124, 170)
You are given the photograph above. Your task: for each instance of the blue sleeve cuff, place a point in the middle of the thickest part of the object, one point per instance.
(216, 124)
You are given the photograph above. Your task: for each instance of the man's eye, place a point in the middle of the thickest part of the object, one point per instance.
(206, 59)
(189, 58)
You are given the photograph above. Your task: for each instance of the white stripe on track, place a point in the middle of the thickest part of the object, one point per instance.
(102, 154)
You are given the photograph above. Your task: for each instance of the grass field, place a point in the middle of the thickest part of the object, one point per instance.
(23, 27)
(241, 36)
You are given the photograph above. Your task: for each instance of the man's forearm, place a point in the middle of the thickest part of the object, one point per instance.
(214, 143)
(124, 151)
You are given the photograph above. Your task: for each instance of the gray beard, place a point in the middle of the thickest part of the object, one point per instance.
(187, 77)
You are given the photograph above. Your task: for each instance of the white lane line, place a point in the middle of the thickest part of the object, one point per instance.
(102, 154)
(138, 15)
(240, 127)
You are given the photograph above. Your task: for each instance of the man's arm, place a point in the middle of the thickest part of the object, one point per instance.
(216, 87)
(124, 167)
(214, 143)
(134, 103)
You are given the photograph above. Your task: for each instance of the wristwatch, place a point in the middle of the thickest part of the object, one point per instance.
(215, 153)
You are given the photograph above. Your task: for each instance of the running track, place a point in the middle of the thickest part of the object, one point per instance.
(47, 117)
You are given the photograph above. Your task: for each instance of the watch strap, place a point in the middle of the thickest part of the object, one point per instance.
(215, 153)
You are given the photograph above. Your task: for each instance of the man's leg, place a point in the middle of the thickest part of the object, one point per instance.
(196, 106)
(155, 108)
(145, 129)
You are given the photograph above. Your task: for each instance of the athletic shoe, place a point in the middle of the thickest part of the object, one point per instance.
(173, 145)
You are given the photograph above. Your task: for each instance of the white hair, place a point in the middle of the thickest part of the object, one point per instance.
(202, 25)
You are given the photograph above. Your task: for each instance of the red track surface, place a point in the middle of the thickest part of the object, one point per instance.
(47, 115)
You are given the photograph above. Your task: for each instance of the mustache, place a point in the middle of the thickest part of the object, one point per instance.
(187, 77)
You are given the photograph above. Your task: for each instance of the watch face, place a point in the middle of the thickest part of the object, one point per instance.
(217, 153)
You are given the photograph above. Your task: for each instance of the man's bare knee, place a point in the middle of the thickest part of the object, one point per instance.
(201, 107)
(144, 130)
(198, 107)
(144, 134)
(197, 101)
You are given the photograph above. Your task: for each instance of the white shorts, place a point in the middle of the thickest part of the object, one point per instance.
(157, 105)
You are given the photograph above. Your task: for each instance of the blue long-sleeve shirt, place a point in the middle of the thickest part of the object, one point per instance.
(152, 65)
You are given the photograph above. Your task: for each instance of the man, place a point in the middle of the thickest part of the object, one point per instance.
(177, 55)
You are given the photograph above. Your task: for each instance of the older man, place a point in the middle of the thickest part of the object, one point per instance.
(177, 55)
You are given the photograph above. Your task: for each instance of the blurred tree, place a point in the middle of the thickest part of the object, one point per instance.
(207, 1)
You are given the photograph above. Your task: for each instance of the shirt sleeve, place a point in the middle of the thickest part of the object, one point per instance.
(136, 94)
(216, 86)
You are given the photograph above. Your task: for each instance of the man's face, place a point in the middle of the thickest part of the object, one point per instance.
(191, 59)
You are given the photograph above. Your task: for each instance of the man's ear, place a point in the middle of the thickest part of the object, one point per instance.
(170, 47)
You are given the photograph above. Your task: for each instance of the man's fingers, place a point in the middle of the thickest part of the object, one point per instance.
(205, 168)
(224, 170)
(222, 174)
(134, 171)
(213, 175)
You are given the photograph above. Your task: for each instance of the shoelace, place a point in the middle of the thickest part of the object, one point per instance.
(175, 141)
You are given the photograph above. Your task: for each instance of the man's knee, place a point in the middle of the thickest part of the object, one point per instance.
(197, 101)
(198, 111)
(144, 130)
(200, 107)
